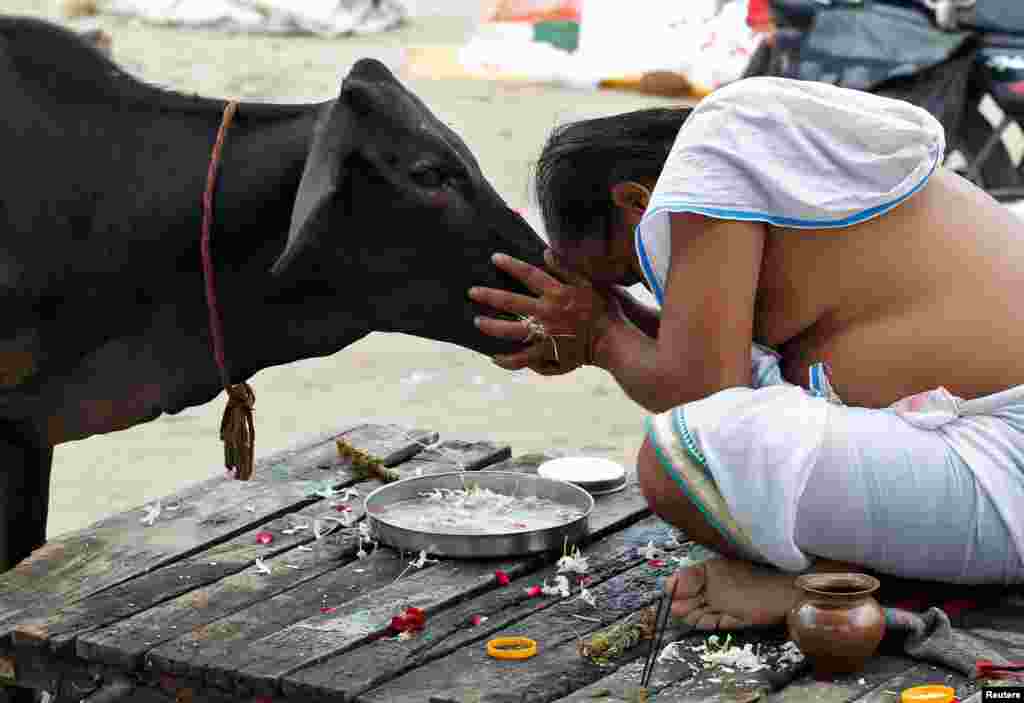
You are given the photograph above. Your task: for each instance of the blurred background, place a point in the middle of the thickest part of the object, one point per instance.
(503, 75)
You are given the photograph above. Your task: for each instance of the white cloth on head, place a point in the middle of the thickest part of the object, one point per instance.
(790, 153)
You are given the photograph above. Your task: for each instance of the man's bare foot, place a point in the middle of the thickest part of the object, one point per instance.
(729, 594)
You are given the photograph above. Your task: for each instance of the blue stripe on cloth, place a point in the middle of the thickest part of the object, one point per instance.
(780, 221)
(645, 264)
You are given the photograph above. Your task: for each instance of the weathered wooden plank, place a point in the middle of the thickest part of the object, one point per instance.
(340, 678)
(209, 653)
(122, 642)
(676, 682)
(556, 670)
(877, 672)
(260, 666)
(120, 547)
(455, 454)
(674, 679)
(1001, 626)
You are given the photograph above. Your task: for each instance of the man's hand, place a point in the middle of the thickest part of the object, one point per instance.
(566, 321)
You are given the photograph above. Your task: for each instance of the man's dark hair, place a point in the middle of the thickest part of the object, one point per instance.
(582, 160)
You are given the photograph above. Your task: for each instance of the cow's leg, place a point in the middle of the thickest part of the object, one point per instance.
(24, 502)
(24, 492)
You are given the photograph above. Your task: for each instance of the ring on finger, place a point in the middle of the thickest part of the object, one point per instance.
(535, 329)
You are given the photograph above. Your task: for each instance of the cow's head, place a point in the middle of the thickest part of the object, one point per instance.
(393, 208)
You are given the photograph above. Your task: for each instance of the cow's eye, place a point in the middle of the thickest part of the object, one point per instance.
(428, 176)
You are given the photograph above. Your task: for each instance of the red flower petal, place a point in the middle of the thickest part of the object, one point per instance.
(399, 623)
(533, 591)
(264, 537)
(656, 563)
(342, 508)
(476, 620)
(327, 609)
(416, 618)
(502, 577)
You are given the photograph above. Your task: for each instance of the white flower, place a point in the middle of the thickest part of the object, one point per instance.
(790, 654)
(743, 659)
(671, 653)
(365, 537)
(559, 588)
(575, 562)
(650, 551)
(587, 597)
(349, 494)
(152, 513)
(422, 560)
(261, 567)
(295, 528)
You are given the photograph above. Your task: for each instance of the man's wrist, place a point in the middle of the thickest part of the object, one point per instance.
(603, 342)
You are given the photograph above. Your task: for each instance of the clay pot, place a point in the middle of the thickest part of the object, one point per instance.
(837, 623)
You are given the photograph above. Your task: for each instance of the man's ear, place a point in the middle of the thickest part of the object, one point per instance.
(335, 138)
(631, 197)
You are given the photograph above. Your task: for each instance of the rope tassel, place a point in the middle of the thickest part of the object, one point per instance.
(237, 430)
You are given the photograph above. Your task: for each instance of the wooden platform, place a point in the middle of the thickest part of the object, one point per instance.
(178, 611)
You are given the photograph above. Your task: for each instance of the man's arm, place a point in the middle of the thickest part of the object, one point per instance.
(645, 317)
(707, 320)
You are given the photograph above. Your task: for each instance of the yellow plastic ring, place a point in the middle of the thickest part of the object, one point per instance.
(512, 648)
(928, 694)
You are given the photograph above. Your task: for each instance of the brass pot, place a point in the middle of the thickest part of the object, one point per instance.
(837, 623)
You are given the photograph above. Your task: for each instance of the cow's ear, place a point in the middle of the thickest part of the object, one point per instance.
(335, 138)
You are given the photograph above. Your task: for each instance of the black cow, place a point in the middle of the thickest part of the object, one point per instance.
(385, 213)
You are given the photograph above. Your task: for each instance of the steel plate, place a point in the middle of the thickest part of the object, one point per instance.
(481, 546)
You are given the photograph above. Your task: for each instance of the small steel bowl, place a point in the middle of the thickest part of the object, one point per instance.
(481, 546)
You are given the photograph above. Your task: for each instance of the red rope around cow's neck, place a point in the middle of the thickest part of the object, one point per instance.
(236, 429)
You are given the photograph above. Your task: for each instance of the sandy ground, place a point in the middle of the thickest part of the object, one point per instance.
(385, 377)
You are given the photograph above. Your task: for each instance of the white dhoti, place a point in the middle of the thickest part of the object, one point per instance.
(935, 492)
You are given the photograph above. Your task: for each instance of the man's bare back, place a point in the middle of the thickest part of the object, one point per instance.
(926, 295)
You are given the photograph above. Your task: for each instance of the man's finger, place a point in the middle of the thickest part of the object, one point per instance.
(534, 355)
(502, 329)
(506, 301)
(537, 280)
